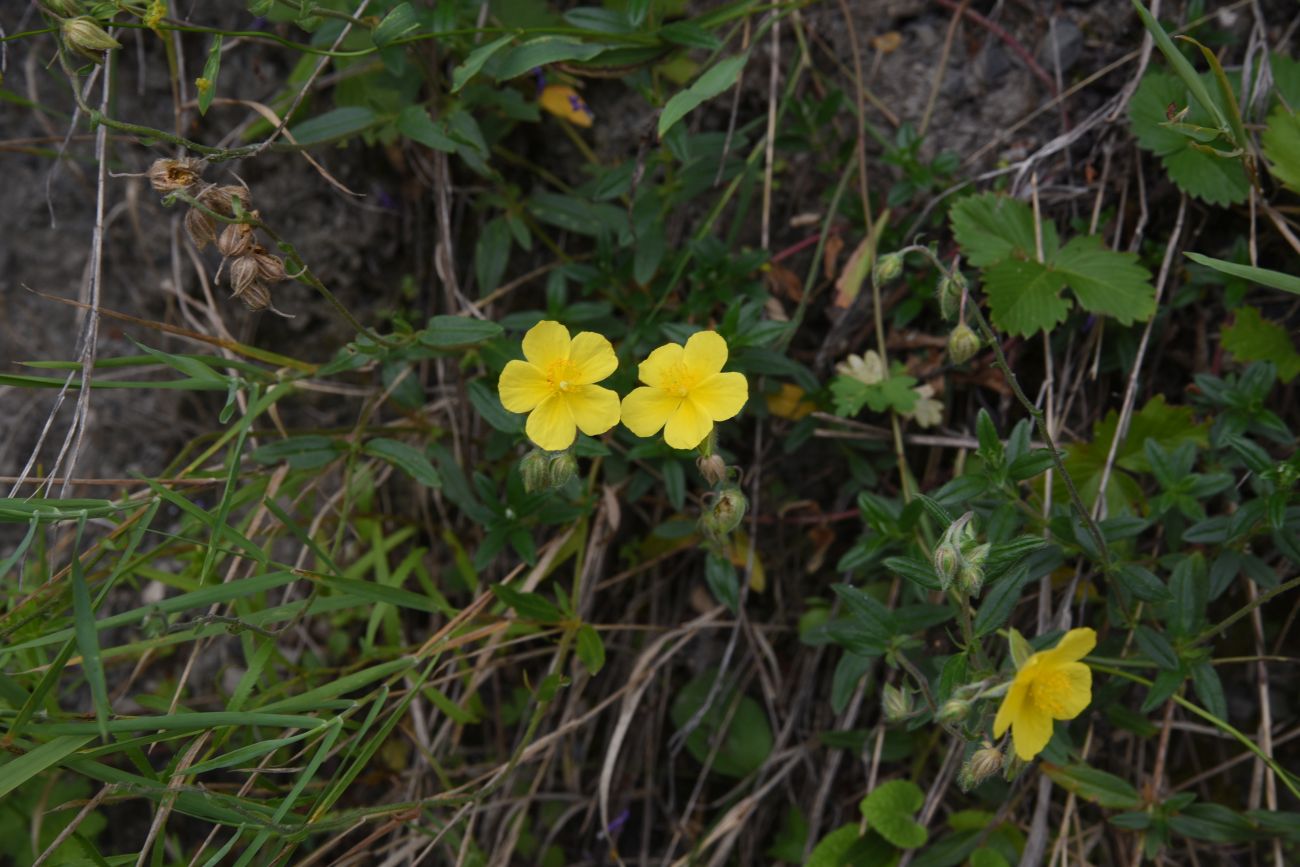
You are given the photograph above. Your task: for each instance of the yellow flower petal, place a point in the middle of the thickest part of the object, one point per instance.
(522, 386)
(563, 101)
(551, 425)
(1031, 732)
(658, 367)
(594, 357)
(705, 353)
(788, 402)
(1012, 703)
(1074, 646)
(721, 395)
(646, 410)
(687, 427)
(546, 343)
(594, 409)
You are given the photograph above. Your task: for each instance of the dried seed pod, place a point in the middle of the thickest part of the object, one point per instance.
(221, 198)
(270, 267)
(168, 176)
(243, 274)
(235, 240)
(201, 228)
(255, 296)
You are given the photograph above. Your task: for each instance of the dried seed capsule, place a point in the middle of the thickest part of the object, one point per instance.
(221, 198)
(270, 267)
(243, 274)
(201, 228)
(713, 468)
(725, 515)
(255, 296)
(235, 240)
(982, 765)
(168, 176)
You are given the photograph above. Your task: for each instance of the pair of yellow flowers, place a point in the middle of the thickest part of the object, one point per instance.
(685, 390)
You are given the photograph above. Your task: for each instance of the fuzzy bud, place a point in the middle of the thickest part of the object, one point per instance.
(887, 268)
(270, 267)
(979, 767)
(725, 515)
(951, 289)
(963, 343)
(168, 176)
(947, 560)
(87, 38)
(895, 703)
(563, 467)
(953, 711)
(970, 579)
(534, 467)
(235, 240)
(201, 228)
(713, 468)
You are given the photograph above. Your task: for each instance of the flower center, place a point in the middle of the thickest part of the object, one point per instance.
(679, 380)
(1050, 692)
(561, 375)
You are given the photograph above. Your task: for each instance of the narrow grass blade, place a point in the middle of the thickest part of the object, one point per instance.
(34, 761)
(1262, 276)
(83, 615)
(1180, 64)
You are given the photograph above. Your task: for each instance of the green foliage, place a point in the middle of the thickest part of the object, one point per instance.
(998, 234)
(731, 734)
(1250, 337)
(889, 810)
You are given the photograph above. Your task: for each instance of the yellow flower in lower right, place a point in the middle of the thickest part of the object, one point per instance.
(1051, 685)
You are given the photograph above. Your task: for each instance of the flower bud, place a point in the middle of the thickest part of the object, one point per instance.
(235, 240)
(979, 767)
(963, 343)
(975, 555)
(563, 467)
(970, 579)
(713, 468)
(168, 176)
(201, 228)
(726, 513)
(947, 560)
(270, 267)
(954, 710)
(950, 291)
(887, 268)
(87, 38)
(895, 703)
(534, 467)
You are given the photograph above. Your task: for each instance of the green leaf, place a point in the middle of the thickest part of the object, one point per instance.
(992, 228)
(406, 458)
(543, 50)
(590, 649)
(1106, 282)
(1214, 823)
(889, 810)
(83, 612)
(530, 606)
(1101, 788)
(211, 69)
(301, 453)
(1142, 583)
(492, 254)
(717, 79)
(788, 844)
(444, 332)
(689, 35)
(1250, 337)
(399, 22)
(461, 75)
(415, 123)
(833, 849)
(1025, 296)
(1212, 179)
(39, 759)
(333, 125)
(1156, 647)
(1209, 689)
(488, 404)
(720, 575)
(1262, 276)
(1182, 66)
(736, 724)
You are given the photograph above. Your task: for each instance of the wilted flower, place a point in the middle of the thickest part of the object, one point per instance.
(685, 391)
(255, 296)
(168, 176)
(243, 273)
(979, 767)
(895, 703)
(563, 101)
(556, 385)
(927, 412)
(712, 467)
(726, 513)
(789, 402)
(867, 368)
(1051, 685)
(235, 240)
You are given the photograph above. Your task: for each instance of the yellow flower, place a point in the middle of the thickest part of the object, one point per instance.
(1051, 685)
(789, 402)
(555, 385)
(685, 391)
(563, 101)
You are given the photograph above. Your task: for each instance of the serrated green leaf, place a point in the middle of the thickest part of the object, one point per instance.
(1212, 179)
(1251, 337)
(717, 79)
(992, 228)
(406, 458)
(1106, 282)
(1262, 276)
(889, 810)
(1025, 296)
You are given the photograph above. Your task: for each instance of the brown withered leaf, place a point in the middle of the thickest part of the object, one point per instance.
(831, 255)
(782, 281)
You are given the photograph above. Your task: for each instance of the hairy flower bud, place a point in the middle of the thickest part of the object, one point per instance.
(168, 176)
(970, 579)
(534, 467)
(713, 468)
(950, 291)
(954, 710)
(201, 228)
(87, 38)
(563, 467)
(963, 343)
(979, 767)
(725, 515)
(235, 240)
(895, 703)
(887, 268)
(947, 560)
